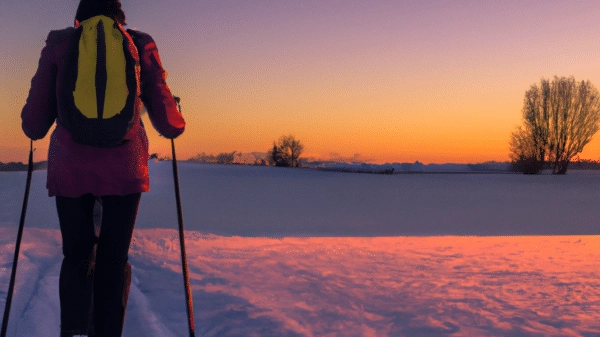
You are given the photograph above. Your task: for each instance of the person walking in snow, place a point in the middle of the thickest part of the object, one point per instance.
(94, 89)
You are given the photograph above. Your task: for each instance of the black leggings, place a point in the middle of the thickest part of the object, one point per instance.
(95, 265)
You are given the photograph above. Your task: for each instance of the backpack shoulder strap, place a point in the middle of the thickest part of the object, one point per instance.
(137, 37)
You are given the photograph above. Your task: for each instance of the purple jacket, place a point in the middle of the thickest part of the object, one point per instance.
(75, 169)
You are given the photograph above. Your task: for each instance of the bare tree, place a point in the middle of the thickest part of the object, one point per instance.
(574, 120)
(524, 153)
(286, 152)
(559, 119)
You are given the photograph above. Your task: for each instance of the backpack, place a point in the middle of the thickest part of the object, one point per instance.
(99, 92)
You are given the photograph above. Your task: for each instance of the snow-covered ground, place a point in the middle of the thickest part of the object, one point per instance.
(285, 252)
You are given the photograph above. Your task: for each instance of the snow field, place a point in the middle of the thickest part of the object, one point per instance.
(380, 286)
(276, 252)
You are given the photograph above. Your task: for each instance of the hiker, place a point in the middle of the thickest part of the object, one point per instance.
(98, 152)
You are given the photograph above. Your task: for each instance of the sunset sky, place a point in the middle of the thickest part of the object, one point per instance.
(378, 81)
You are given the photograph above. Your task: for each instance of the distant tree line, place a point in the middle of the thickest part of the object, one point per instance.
(221, 158)
(560, 117)
(286, 152)
(156, 157)
(584, 164)
(19, 166)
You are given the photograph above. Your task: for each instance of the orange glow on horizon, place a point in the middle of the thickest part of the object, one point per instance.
(443, 84)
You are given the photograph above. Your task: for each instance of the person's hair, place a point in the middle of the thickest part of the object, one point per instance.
(91, 8)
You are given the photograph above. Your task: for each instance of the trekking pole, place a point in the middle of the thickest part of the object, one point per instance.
(13, 274)
(184, 265)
